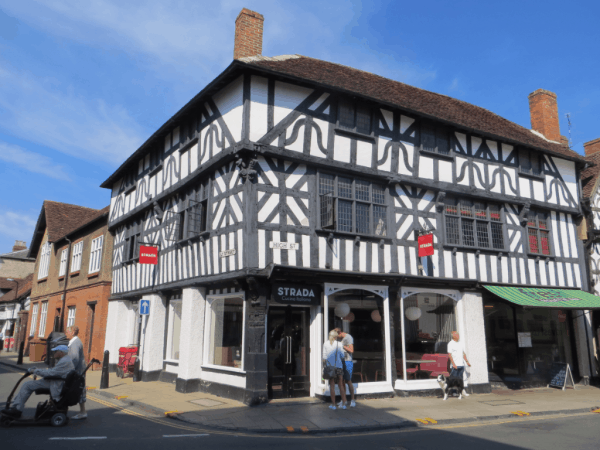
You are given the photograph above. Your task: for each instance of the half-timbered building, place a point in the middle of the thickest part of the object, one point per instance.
(288, 197)
(590, 233)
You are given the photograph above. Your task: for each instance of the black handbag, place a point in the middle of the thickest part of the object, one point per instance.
(330, 371)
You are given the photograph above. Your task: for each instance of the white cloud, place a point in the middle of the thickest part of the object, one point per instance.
(31, 161)
(35, 109)
(187, 39)
(16, 225)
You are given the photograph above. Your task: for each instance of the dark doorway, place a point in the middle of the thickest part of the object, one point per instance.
(92, 316)
(288, 350)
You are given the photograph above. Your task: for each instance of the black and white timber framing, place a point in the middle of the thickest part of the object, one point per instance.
(248, 154)
(259, 143)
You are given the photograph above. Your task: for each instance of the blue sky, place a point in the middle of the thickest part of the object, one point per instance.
(83, 84)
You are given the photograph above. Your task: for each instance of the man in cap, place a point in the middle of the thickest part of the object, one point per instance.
(76, 354)
(60, 370)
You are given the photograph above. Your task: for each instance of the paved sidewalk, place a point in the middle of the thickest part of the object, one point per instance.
(210, 411)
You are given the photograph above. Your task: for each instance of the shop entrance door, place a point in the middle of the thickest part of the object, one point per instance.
(288, 350)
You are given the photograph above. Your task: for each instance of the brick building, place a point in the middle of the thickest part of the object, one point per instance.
(72, 277)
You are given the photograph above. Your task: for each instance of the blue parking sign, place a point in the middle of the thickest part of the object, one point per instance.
(144, 307)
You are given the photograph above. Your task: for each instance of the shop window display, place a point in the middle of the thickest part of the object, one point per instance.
(523, 343)
(174, 330)
(361, 314)
(225, 331)
(429, 320)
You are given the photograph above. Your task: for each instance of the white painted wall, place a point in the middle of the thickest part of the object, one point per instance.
(153, 334)
(191, 342)
(472, 334)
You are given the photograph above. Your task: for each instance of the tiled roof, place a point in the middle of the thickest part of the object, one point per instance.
(62, 218)
(590, 175)
(407, 97)
(24, 288)
(20, 254)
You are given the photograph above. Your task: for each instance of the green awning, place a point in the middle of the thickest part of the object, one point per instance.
(547, 298)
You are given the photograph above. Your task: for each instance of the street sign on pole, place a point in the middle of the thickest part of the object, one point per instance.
(144, 307)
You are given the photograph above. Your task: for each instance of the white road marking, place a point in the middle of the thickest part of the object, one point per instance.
(75, 438)
(183, 435)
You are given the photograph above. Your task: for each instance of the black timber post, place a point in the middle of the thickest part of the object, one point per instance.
(256, 357)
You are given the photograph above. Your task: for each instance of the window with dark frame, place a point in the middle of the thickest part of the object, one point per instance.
(192, 220)
(538, 233)
(132, 244)
(530, 162)
(473, 224)
(352, 205)
(435, 138)
(354, 116)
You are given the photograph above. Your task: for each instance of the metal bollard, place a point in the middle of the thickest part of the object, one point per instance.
(21, 350)
(104, 375)
(136, 370)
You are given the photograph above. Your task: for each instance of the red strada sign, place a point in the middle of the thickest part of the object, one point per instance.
(148, 255)
(426, 245)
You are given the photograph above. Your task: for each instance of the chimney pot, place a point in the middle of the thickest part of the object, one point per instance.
(248, 34)
(592, 147)
(544, 114)
(19, 245)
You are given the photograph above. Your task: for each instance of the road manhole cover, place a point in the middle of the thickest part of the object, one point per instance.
(206, 402)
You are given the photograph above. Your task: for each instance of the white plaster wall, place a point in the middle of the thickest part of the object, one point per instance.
(153, 334)
(585, 350)
(472, 333)
(191, 342)
(116, 328)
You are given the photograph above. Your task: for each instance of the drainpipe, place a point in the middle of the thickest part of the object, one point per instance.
(64, 296)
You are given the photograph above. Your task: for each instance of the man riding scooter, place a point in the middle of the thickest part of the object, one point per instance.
(52, 379)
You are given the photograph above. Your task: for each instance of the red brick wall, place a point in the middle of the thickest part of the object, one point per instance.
(544, 114)
(592, 147)
(80, 298)
(248, 34)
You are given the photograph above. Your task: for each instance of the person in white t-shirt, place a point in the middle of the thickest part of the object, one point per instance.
(458, 357)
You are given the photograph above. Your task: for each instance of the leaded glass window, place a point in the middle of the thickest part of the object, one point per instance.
(473, 224)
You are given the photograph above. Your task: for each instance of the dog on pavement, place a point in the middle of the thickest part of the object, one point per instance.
(447, 384)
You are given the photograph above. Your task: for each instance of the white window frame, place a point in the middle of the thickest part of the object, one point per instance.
(44, 260)
(43, 316)
(96, 254)
(369, 387)
(64, 257)
(76, 259)
(172, 304)
(34, 313)
(71, 317)
(404, 383)
(208, 332)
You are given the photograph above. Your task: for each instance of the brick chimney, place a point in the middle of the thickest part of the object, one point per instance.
(19, 245)
(248, 34)
(544, 114)
(592, 147)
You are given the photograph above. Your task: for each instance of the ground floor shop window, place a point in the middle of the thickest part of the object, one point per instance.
(173, 330)
(523, 343)
(424, 325)
(361, 314)
(224, 331)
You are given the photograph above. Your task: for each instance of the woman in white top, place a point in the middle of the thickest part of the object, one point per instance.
(333, 353)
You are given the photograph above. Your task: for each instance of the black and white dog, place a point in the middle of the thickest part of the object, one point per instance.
(447, 384)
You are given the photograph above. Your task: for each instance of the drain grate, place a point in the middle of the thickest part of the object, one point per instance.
(502, 402)
(206, 402)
